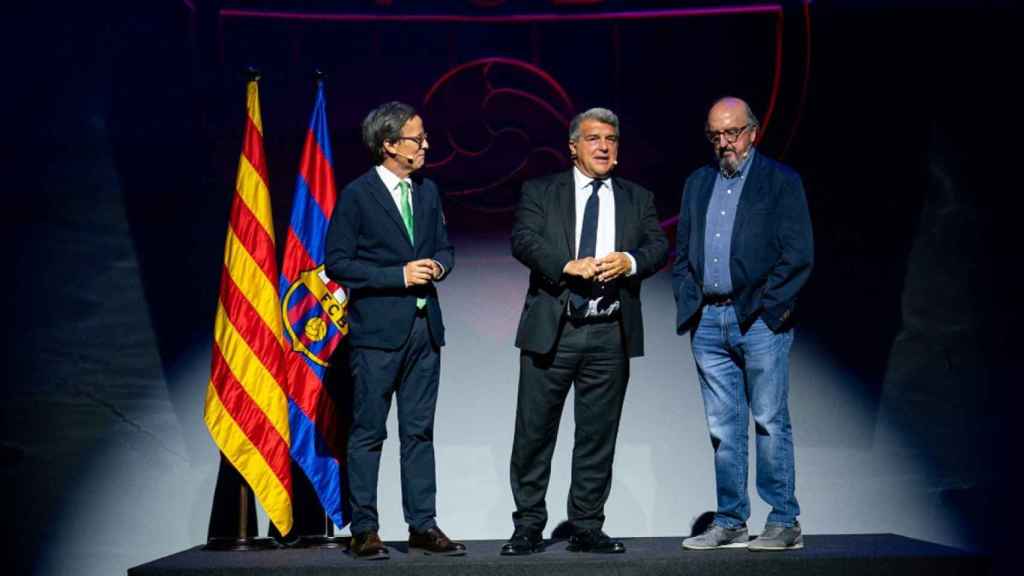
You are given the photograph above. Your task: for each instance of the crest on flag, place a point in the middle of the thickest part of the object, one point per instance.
(314, 312)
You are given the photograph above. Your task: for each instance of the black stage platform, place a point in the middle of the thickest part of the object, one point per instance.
(823, 555)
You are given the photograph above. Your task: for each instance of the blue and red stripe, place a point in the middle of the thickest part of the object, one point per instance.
(314, 442)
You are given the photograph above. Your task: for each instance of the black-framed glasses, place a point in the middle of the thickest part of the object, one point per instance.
(419, 140)
(731, 134)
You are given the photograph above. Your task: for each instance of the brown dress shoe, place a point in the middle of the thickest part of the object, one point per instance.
(367, 546)
(434, 541)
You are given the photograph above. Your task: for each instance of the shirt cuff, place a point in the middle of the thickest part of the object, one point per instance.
(441, 266)
(632, 264)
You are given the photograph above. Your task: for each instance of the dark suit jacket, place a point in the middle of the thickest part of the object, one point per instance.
(367, 246)
(772, 245)
(544, 239)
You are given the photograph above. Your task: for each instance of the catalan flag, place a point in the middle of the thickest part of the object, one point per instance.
(313, 308)
(246, 407)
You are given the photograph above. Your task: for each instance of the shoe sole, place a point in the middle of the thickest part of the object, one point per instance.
(798, 545)
(779, 549)
(535, 550)
(721, 547)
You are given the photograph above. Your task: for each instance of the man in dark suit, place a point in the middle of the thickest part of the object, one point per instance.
(588, 240)
(744, 249)
(387, 243)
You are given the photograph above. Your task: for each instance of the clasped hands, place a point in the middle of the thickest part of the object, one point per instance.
(423, 271)
(604, 269)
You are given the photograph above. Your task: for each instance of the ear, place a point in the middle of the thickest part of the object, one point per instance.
(572, 149)
(753, 135)
(390, 147)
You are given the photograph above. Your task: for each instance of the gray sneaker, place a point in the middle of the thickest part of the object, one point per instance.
(777, 537)
(718, 537)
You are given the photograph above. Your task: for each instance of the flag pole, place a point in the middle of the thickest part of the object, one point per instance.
(327, 538)
(244, 534)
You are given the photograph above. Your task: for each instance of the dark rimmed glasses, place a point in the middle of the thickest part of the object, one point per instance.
(731, 134)
(419, 140)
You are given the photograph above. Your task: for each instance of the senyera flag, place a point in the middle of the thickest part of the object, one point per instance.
(246, 408)
(313, 308)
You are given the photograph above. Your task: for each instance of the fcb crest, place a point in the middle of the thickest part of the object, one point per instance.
(314, 315)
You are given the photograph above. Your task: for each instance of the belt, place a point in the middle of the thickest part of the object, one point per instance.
(718, 300)
(600, 319)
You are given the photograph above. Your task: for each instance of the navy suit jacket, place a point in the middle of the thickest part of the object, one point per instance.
(544, 239)
(367, 247)
(772, 245)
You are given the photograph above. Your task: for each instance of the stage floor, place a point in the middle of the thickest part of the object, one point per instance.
(822, 555)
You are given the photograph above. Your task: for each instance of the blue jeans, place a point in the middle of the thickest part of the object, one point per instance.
(741, 374)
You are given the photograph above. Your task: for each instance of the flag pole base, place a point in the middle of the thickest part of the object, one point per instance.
(239, 544)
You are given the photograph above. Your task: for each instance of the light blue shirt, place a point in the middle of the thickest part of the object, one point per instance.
(720, 219)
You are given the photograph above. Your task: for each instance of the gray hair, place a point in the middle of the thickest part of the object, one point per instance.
(602, 115)
(384, 124)
(751, 117)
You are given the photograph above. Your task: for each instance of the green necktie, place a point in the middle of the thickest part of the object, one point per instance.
(407, 219)
(406, 209)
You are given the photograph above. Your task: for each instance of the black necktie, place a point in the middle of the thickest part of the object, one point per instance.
(588, 236)
(588, 245)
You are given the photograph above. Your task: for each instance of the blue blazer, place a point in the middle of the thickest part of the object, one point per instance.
(772, 245)
(367, 247)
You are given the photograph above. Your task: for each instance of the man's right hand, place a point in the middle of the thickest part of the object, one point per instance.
(585, 268)
(418, 272)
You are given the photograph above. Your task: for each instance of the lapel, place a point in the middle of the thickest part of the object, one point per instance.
(622, 206)
(419, 216)
(566, 191)
(381, 193)
(751, 191)
(700, 218)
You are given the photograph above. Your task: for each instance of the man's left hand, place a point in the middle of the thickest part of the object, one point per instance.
(612, 266)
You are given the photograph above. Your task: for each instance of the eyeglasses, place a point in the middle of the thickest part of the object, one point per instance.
(419, 140)
(731, 134)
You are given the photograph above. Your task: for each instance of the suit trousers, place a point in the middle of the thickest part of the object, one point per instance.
(589, 357)
(411, 373)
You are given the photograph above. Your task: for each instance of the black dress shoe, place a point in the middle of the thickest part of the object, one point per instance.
(596, 541)
(523, 542)
(367, 546)
(434, 541)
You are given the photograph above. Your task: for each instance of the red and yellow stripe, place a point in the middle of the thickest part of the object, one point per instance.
(246, 407)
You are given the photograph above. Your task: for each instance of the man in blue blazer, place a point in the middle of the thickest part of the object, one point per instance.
(744, 249)
(388, 244)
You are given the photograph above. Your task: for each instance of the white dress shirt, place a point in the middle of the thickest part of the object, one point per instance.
(605, 225)
(391, 182)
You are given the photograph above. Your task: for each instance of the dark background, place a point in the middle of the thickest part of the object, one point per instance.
(902, 118)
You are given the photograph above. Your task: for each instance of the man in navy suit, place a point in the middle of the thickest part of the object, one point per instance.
(388, 244)
(588, 240)
(744, 249)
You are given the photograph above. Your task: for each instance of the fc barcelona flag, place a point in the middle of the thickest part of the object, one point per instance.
(246, 408)
(313, 307)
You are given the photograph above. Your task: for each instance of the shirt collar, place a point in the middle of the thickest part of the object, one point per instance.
(582, 181)
(390, 179)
